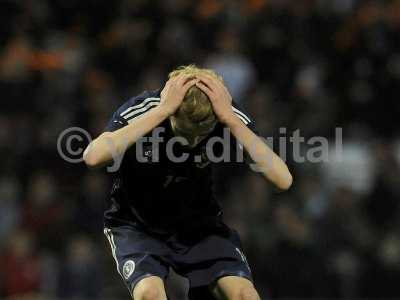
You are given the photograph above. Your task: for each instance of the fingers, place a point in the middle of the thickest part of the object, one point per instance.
(183, 79)
(184, 82)
(174, 80)
(208, 84)
(205, 89)
(209, 81)
(215, 85)
(165, 91)
(189, 84)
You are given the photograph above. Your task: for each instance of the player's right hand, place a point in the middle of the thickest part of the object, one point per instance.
(174, 91)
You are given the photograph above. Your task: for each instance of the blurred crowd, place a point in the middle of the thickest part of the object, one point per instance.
(311, 65)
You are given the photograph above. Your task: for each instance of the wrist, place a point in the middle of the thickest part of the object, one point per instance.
(232, 121)
(167, 108)
(163, 111)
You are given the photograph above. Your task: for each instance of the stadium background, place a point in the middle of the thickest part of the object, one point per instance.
(311, 65)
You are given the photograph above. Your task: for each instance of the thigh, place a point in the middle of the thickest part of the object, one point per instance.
(137, 255)
(235, 288)
(151, 287)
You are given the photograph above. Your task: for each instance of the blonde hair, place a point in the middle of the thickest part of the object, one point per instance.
(193, 70)
(196, 112)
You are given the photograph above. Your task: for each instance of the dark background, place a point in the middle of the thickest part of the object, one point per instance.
(312, 65)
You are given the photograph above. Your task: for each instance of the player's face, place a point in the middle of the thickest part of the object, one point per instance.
(193, 134)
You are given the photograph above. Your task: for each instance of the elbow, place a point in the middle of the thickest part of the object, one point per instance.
(286, 182)
(90, 159)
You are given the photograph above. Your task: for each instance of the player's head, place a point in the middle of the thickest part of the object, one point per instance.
(195, 118)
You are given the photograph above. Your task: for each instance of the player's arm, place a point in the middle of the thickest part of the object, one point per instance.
(268, 163)
(111, 145)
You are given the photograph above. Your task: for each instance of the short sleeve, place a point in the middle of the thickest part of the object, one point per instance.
(245, 117)
(237, 149)
(132, 109)
(116, 122)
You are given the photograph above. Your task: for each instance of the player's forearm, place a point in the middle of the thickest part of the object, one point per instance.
(271, 165)
(110, 145)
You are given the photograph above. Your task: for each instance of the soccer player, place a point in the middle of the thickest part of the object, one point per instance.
(162, 212)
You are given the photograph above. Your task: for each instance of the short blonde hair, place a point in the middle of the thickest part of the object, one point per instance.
(195, 113)
(193, 70)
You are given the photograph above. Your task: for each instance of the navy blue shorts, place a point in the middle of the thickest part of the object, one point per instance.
(202, 259)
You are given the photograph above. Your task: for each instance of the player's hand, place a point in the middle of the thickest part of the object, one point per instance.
(174, 91)
(219, 95)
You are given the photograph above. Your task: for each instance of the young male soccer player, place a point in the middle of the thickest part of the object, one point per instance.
(162, 213)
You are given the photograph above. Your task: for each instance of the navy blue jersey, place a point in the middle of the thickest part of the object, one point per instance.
(158, 194)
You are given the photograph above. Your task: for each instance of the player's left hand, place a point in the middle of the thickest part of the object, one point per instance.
(219, 95)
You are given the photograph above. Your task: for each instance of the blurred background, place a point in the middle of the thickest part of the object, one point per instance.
(312, 65)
